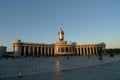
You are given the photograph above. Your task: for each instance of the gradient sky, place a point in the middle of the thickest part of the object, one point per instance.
(38, 21)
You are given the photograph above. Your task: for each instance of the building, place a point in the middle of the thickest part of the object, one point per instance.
(61, 47)
(2, 51)
(9, 54)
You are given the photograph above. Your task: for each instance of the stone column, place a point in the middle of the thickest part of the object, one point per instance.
(48, 51)
(90, 50)
(84, 50)
(77, 51)
(24, 50)
(13, 48)
(41, 51)
(33, 51)
(80, 51)
(87, 50)
(37, 51)
(45, 51)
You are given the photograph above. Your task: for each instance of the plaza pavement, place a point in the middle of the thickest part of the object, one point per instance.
(61, 68)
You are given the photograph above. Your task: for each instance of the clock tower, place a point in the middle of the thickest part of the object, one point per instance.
(61, 34)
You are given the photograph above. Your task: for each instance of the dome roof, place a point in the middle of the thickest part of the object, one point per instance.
(17, 41)
(61, 31)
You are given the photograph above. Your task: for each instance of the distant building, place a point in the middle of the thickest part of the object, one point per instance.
(2, 51)
(61, 47)
(9, 54)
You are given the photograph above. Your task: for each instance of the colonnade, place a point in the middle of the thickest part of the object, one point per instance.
(61, 48)
(37, 51)
(25, 49)
(89, 50)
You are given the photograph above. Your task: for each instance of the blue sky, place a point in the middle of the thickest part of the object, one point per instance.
(38, 21)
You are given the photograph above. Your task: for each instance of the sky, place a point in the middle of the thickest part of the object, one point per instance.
(38, 21)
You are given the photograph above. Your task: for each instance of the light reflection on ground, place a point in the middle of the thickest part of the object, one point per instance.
(57, 68)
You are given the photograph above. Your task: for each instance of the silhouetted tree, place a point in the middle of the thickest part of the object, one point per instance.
(113, 51)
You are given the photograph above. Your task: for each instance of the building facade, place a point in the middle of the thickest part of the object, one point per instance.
(61, 47)
(2, 51)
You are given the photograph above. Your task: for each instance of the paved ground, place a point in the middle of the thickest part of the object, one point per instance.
(101, 72)
(61, 68)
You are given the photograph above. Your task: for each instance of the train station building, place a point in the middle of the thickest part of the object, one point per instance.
(61, 47)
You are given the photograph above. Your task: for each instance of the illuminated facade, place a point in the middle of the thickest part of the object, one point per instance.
(61, 47)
